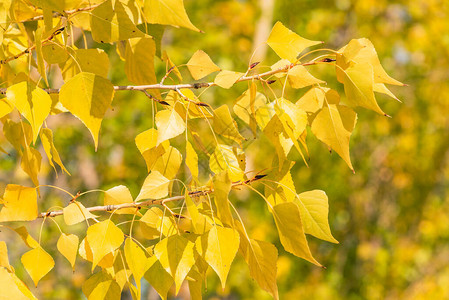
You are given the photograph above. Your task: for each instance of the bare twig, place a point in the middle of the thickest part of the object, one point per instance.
(64, 13)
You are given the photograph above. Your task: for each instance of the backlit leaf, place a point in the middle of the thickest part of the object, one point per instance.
(242, 107)
(39, 54)
(37, 262)
(314, 209)
(175, 254)
(32, 102)
(169, 125)
(222, 187)
(226, 79)
(31, 163)
(86, 253)
(5, 107)
(224, 159)
(136, 260)
(139, 60)
(155, 186)
(167, 12)
(158, 277)
(26, 237)
(200, 65)
(101, 285)
(192, 160)
(19, 204)
(286, 43)
(118, 195)
(87, 96)
(299, 77)
(103, 237)
(12, 287)
(4, 261)
(76, 212)
(225, 125)
(313, 100)
(94, 61)
(291, 233)
(50, 149)
(168, 163)
(68, 246)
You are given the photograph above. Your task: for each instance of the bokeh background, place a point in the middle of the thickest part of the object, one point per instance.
(391, 217)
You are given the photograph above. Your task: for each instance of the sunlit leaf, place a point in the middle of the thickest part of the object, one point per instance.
(5, 107)
(158, 277)
(4, 261)
(19, 204)
(192, 160)
(94, 61)
(225, 125)
(118, 195)
(12, 287)
(86, 253)
(68, 246)
(286, 43)
(136, 260)
(37, 262)
(299, 77)
(226, 79)
(50, 149)
(76, 212)
(88, 96)
(222, 187)
(169, 125)
(155, 186)
(168, 12)
(31, 163)
(101, 285)
(168, 163)
(103, 237)
(139, 60)
(200, 65)
(224, 159)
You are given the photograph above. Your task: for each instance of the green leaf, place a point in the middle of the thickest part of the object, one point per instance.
(155, 186)
(103, 238)
(32, 102)
(88, 96)
(111, 24)
(19, 204)
(291, 233)
(167, 12)
(101, 285)
(175, 254)
(314, 209)
(37, 262)
(219, 247)
(286, 43)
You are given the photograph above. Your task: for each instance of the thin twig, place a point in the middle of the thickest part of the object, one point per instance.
(64, 13)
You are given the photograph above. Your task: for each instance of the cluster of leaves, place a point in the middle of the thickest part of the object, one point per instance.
(178, 244)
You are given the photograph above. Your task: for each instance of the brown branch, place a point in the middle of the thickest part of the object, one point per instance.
(64, 13)
(139, 205)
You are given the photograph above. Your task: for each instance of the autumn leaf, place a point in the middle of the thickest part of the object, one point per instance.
(168, 12)
(169, 125)
(155, 186)
(226, 79)
(76, 212)
(158, 277)
(200, 65)
(101, 285)
(68, 246)
(37, 262)
(119, 195)
(19, 204)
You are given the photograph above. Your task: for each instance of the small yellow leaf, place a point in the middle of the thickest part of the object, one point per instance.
(226, 79)
(4, 261)
(32, 102)
(192, 160)
(111, 23)
(242, 106)
(146, 143)
(223, 159)
(299, 77)
(167, 12)
(291, 233)
(314, 209)
(313, 100)
(5, 107)
(50, 149)
(171, 65)
(31, 163)
(76, 212)
(155, 222)
(94, 61)
(286, 43)
(381, 88)
(139, 60)
(220, 245)
(158, 277)
(54, 53)
(168, 164)
(169, 125)
(86, 253)
(37, 263)
(225, 125)
(193, 212)
(136, 260)
(26, 237)
(103, 238)
(18, 134)
(155, 186)
(39, 55)
(101, 285)
(88, 96)
(118, 195)
(68, 246)
(222, 187)
(200, 65)
(19, 204)
(176, 256)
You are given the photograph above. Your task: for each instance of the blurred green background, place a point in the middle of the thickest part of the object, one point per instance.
(391, 217)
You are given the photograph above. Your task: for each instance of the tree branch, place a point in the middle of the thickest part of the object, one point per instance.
(139, 205)
(64, 13)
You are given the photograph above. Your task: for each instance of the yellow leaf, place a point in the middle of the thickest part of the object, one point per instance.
(168, 164)
(242, 106)
(158, 277)
(76, 212)
(31, 163)
(274, 131)
(50, 149)
(192, 160)
(32, 102)
(283, 187)
(222, 187)
(5, 107)
(111, 24)
(261, 258)
(86, 253)
(10, 287)
(175, 254)
(68, 246)
(171, 65)
(146, 143)
(193, 212)
(4, 261)
(39, 54)
(225, 125)
(281, 64)
(153, 223)
(200, 65)
(333, 126)
(87, 96)
(314, 209)
(291, 233)
(37, 263)
(136, 260)
(119, 270)
(54, 53)
(18, 134)
(299, 77)
(381, 88)
(286, 43)
(167, 12)
(101, 285)
(94, 61)
(313, 100)
(219, 247)
(195, 281)
(26, 237)
(155, 186)
(119, 195)
(226, 79)
(223, 159)
(103, 238)
(169, 125)
(19, 204)
(139, 60)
